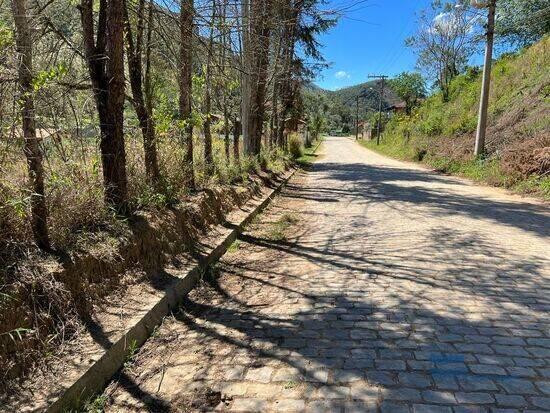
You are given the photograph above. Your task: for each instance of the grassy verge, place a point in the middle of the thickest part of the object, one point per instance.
(277, 230)
(486, 171)
(308, 155)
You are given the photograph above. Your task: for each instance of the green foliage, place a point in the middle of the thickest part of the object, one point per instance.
(439, 133)
(132, 353)
(338, 108)
(6, 36)
(317, 124)
(17, 333)
(96, 404)
(295, 146)
(234, 247)
(522, 22)
(410, 87)
(44, 76)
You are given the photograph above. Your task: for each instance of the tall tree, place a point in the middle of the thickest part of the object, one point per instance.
(444, 42)
(256, 39)
(104, 50)
(33, 153)
(522, 22)
(186, 83)
(410, 87)
(135, 70)
(291, 16)
(208, 158)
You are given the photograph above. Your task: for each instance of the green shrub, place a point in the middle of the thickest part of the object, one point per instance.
(295, 146)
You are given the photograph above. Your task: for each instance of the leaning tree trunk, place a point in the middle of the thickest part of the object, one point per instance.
(135, 70)
(186, 84)
(32, 150)
(104, 51)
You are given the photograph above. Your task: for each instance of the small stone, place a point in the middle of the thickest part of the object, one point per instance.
(289, 405)
(247, 405)
(262, 374)
(474, 398)
(430, 408)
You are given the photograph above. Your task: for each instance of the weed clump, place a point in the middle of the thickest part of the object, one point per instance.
(295, 146)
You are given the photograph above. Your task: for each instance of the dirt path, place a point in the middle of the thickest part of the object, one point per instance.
(370, 285)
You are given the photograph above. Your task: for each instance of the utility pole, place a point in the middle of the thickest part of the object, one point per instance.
(357, 117)
(380, 96)
(484, 101)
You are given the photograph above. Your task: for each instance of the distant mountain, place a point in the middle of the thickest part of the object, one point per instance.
(369, 96)
(368, 92)
(340, 106)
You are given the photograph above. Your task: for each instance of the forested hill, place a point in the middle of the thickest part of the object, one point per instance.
(340, 105)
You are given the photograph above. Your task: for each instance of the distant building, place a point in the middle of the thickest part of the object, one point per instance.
(398, 107)
(365, 130)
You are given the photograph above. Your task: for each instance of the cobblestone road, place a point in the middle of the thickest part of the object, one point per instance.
(370, 285)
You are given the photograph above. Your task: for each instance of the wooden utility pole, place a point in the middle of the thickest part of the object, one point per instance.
(485, 86)
(380, 96)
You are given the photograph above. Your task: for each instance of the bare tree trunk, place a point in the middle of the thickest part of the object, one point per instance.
(236, 135)
(293, 13)
(226, 132)
(186, 83)
(135, 70)
(105, 56)
(32, 150)
(208, 158)
(225, 45)
(274, 113)
(259, 36)
(148, 92)
(246, 73)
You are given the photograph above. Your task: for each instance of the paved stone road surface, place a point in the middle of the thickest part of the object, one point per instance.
(370, 285)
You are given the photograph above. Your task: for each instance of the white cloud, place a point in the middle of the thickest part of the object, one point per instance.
(342, 75)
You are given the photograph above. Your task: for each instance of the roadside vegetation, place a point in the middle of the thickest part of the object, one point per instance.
(127, 128)
(431, 115)
(441, 132)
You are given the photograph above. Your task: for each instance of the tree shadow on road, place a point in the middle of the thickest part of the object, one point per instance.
(326, 328)
(446, 197)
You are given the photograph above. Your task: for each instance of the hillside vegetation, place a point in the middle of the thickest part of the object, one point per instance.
(442, 134)
(339, 106)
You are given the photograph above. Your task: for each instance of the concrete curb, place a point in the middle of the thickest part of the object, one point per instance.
(100, 373)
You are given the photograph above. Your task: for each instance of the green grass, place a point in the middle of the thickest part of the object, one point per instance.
(486, 171)
(438, 132)
(277, 230)
(308, 156)
(234, 247)
(403, 152)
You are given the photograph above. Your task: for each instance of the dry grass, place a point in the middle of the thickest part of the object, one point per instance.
(44, 298)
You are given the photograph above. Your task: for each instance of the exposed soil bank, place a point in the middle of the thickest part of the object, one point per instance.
(47, 300)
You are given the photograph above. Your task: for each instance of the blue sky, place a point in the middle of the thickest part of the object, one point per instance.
(370, 39)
